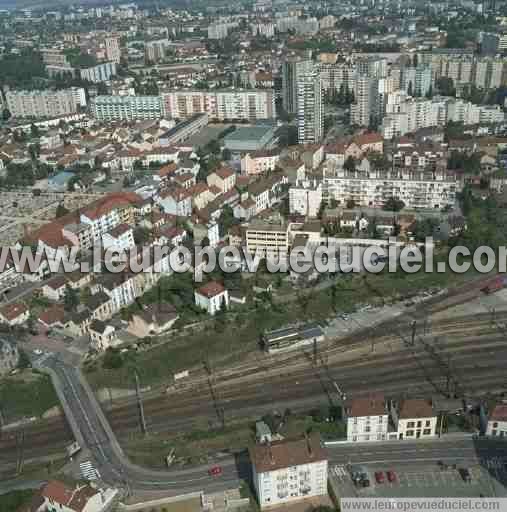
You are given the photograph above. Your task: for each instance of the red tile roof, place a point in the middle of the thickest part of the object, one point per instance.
(499, 413)
(74, 498)
(13, 311)
(54, 314)
(373, 405)
(110, 202)
(211, 289)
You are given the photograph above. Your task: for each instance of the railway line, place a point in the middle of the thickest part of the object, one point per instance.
(478, 351)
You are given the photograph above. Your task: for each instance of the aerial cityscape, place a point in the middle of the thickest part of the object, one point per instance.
(253, 256)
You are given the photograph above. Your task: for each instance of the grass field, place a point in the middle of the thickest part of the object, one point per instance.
(234, 335)
(196, 446)
(26, 394)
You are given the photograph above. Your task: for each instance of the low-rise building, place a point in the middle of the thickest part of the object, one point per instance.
(212, 297)
(497, 421)
(289, 470)
(367, 419)
(14, 313)
(290, 338)
(414, 418)
(153, 320)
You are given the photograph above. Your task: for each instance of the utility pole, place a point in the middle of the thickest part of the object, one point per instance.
(141, 407)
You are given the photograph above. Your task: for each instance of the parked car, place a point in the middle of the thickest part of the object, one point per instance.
(38, 352)
(465, 475)
(359, 476)
(391, 476)
(380, 477)
(215, 471)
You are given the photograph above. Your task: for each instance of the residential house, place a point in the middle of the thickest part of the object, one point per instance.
(51, 317)
(212, 297)
(55, 288)
(60, 497)
(414, 419)
(259, 162)
(77, 324)
(224, 178)
(176, 201)
(497, 421)
(15, 313)
(153, 320)
(102, 334)
(367, 419)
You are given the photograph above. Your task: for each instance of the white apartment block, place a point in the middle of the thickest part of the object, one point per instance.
(126, 108)
(45, 103)
(305, 199)
(333, 76)
(113, 51)
(267, 239)
(251, 104)
(417, 188)
(365, 90)
(266, 29)
(289, 470)
(414, 419)
(99, 73)
(497, 421)
(367, 419)
(309, 109)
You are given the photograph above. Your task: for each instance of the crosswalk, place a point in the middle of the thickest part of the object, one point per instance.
(339, 471)
(88, 471)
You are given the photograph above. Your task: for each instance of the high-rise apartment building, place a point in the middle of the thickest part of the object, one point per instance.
(417, 80)
(292, 69)
(310, 113)
(365, 106)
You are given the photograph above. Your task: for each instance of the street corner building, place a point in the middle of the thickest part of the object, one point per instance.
(289, 470)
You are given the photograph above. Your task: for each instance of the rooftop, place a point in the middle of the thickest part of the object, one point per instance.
(287, 453)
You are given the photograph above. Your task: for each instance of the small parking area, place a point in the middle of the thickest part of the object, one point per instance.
(428, 481)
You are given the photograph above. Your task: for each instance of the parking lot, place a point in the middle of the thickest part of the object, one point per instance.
(423, 481)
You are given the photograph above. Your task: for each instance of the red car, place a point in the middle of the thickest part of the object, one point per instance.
(379, 477)
(391, 476)
(215, 471)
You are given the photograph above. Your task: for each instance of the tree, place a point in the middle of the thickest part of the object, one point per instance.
(350, 164)
(34, 131)
(24, 360)
(70, 299)
(61, 210)
(421, 229)
(350, 203)
(394, 204)
(226, 154)
(141, 235)
(226, 220)
(445, 86)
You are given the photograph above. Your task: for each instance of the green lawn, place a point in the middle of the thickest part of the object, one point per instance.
(13, 500)
(26, 394)
(232, 336)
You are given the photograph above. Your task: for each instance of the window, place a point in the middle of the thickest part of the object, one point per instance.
(410, 433)
(410, 424)
(495, 425)
(419, 424)
(426, 431)
(428, 423)
(366, 429)
(494, 433)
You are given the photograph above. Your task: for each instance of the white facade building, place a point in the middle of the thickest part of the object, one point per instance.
(497, 421)
(212, 297)
(126, 108)
(289, 470)
(309, 109)
(414, 418)
(367, 419)
(305, 199)
(37, 104)
(251, 104)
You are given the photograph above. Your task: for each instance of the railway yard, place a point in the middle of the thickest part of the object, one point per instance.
(439, 348)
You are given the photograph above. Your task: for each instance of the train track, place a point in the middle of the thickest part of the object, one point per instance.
(185, 408)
